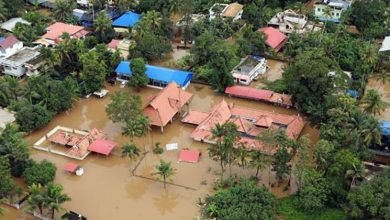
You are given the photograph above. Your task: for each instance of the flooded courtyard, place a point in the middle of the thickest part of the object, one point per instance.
(107, 190)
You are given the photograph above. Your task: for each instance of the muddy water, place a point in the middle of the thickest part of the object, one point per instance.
(384, 90)
(107, 190)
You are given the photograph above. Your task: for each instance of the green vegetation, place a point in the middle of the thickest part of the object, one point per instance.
(131, 151)
(164, 171)
(41, 173)
(139, 78)
(241, 200)
(290, 210)
(157, 149)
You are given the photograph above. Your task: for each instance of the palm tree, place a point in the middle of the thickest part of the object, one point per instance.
(63, 9)
(3, 11)
(54, 198)
(164, 171)
(259, 161)
(328, 14)
(241, 155)
(383, 76)
(216, 151)
(153, 18)
(131, 151)
(103, 28)
(372, 102)
(175, 6)
(36, 199)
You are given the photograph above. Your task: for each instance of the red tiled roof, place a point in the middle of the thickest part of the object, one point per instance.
(275, 38)
(249, 121)
(191, 156)
(102, 146)
(113, 44)
(166, 104)
(195, 117)
(248, 92)
(9, 42)
(55, 31)
(70, 167)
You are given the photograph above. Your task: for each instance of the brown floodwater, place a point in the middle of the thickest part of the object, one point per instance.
(107, 190)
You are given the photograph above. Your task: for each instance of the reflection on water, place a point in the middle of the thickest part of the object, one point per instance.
(108, 191)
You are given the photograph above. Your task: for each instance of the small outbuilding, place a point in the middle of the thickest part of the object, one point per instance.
(104, 147)
(275, 39)
(126, 20)
(190, 156)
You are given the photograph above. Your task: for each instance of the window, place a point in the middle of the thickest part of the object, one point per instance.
(319, 9)
(332, 13)
(338, 14)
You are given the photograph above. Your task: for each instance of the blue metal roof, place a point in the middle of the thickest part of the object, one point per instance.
(158, 73)
(128, 19)
(385, 127)
(1, 39)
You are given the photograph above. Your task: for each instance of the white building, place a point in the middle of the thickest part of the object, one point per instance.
(9, 46)
(233, 11)
(15, 65)
(249, 69)
(289, 21)
(385, 45)
(11, 23)
(336, 8)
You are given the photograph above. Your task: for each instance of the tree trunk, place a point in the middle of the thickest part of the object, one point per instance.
(40, 209)
(165, 184)
(257, 170)
(221, 163)
(52, 213)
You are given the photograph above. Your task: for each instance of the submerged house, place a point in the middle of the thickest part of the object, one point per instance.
(335, 7)
(250, 123)
(56, 30)
(15, 65)
(249, 69)
(171, 101)
(159, 77)
(275, 39)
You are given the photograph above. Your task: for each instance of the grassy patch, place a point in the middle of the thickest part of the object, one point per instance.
(289, 210)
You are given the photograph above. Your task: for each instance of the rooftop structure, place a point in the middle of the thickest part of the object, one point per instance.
(121, 45)
(275, 39)
(385, 45)
(127, 20)
(9, 46)
(249, 69)
(11, 23)
(169, 102)
(79, 143)
(385, 127)
(335, 7)
(289, 21)
(250, 123)
(5, 117)
(260, 95)
(233, 11)
(14, 65)
(159, 77)
(54, 32)
(190, 156)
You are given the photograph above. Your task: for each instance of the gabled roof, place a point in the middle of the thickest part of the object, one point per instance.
(248, 92)
(10, 24)
(275, 38)
(127, 20)
(158, 73)
(166, 104)
(102, 146)
(8, 42)
(55, 31)
(113, 44)
(232, 10)
(191, 156)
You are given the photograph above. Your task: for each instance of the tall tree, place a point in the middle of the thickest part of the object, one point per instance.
(259, 161)
(40, 173)
(103, 28)
(63, 9)
(323, 152)
(54, 197)
(93, 73)
(31, 117)
(281, 163)
(6, 183)
(138, 77)
(36, 199)
(164, 171)
(372, 102)
(3, 11)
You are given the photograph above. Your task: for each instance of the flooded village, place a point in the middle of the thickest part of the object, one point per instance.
(188, 109)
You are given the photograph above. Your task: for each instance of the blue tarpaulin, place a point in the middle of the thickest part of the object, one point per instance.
(385, 127)
(158, 73)
(127, 20)
(352, 93)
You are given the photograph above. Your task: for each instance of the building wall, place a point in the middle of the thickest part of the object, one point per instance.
(319, 12)
(11, 50)
(17, 71)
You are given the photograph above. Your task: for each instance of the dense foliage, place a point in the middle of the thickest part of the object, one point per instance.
(41, 173)
(242, 200)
